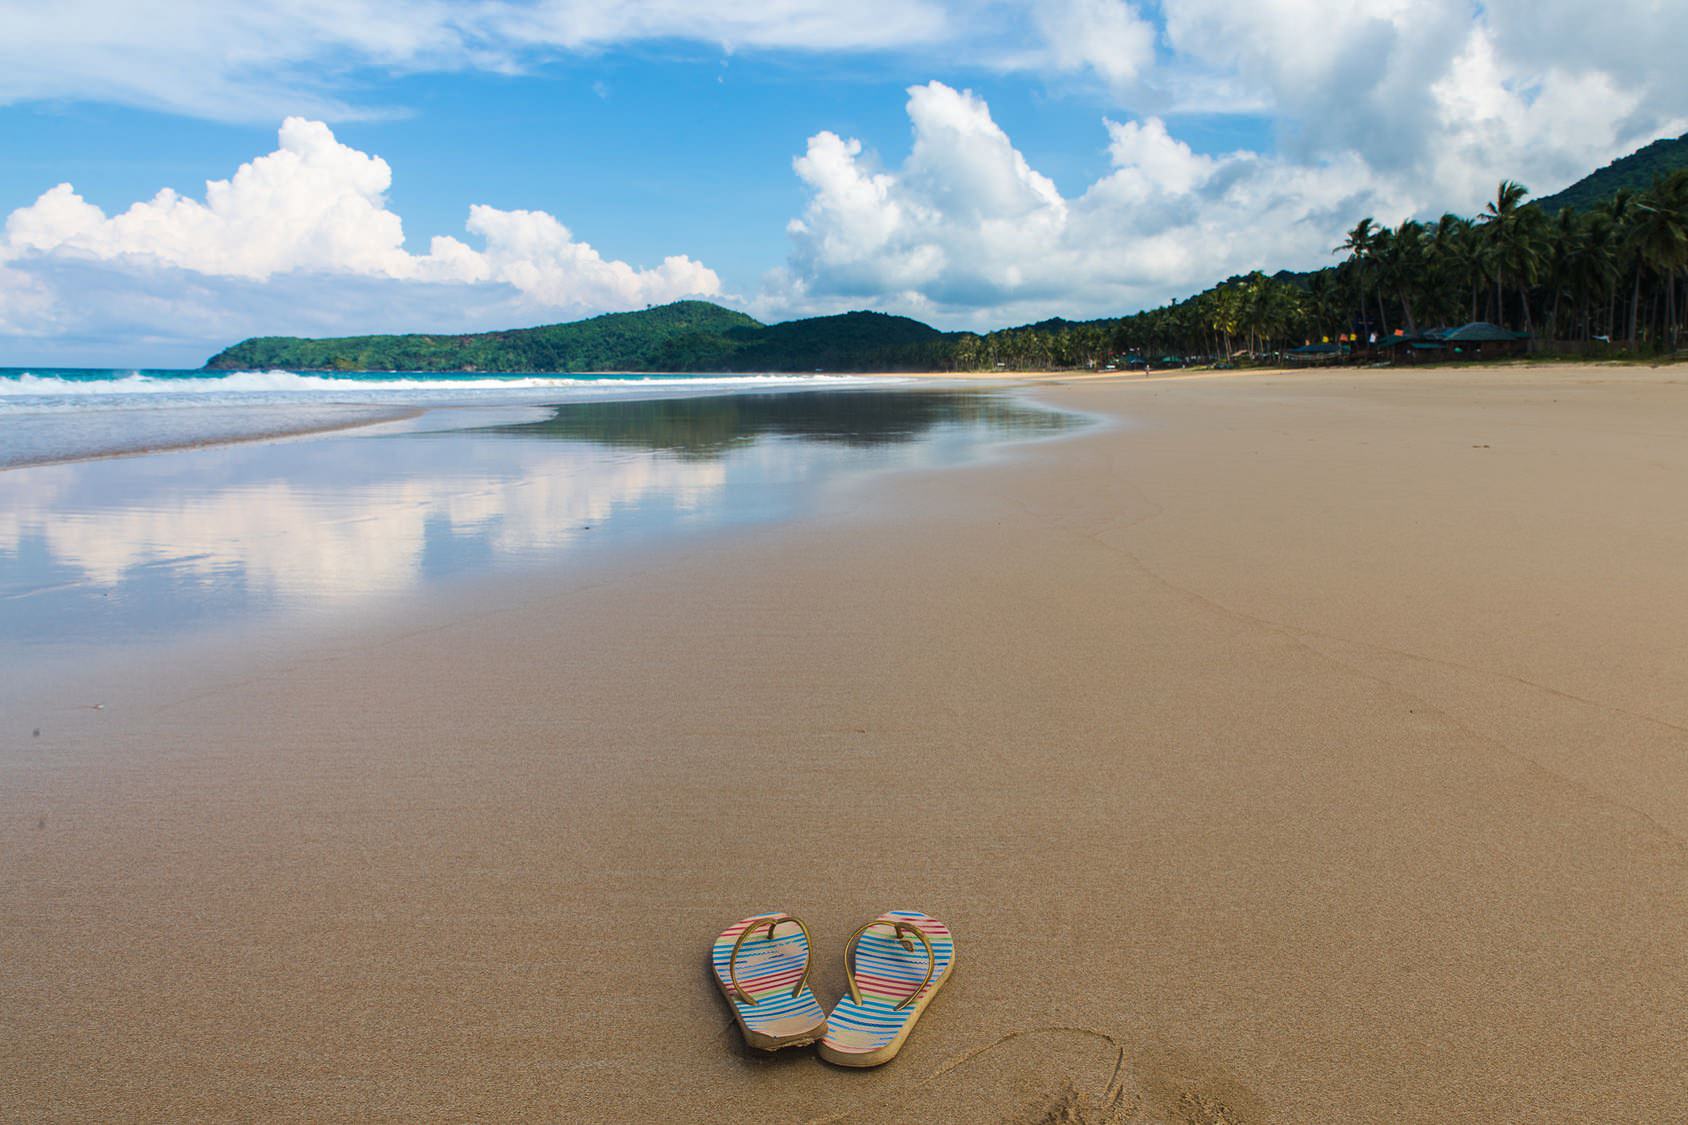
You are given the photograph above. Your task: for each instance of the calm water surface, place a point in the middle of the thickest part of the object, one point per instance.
(131, 550)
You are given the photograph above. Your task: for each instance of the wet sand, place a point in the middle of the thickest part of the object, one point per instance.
(207, 429)
(1296, 748)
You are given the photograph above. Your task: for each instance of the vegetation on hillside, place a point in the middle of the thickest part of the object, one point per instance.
(635, 341)
(1637, 171)
(685, 336)
(1614, 270)
(857, 341)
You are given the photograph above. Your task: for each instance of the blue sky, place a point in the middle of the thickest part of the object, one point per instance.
(974, 165)
(642, 151)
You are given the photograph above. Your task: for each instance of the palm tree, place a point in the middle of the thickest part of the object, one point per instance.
(1594, 268)
(1625, 210)
(1618, 214)
(1444, 276)
(1361, 244)
(1324, 304)
(1561, 262)
(1227, 314)
(1400, 258)
(1511, 230)
(1660, 236)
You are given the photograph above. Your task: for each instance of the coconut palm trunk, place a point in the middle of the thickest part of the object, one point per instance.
(1670, 305)
(1407, 311)
(1635, 311)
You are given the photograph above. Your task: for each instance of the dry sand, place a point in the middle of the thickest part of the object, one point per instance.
(1301, 748)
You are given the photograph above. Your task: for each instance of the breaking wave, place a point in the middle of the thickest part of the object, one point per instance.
(277, 382)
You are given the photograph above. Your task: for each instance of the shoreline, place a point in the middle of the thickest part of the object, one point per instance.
(375, 413)
(1291, 753)
(406, 411)
(383, 417)
(379, 415)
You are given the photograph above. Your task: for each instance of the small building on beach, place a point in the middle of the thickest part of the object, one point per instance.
(1311, 355)
(1481, 340)
(1477, 340)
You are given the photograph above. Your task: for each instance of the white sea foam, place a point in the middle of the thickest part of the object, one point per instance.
(28, 384)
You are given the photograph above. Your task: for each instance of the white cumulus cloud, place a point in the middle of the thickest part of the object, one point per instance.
(536, 254)
(1108, 37)
(1389, 108)
(314, 203)
(1448, 95)
(314, 209)
(968, 232)
(965, 221)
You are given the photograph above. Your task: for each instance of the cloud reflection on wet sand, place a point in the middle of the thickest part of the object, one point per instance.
(119, 550)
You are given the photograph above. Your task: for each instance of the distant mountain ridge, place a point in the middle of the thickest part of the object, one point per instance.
(1635, 171)
(683, 336)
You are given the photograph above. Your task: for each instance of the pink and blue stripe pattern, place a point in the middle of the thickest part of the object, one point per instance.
(769, 969)
(889, 976)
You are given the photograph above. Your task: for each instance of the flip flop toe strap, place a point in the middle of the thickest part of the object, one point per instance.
(898, 929)
(738, 990)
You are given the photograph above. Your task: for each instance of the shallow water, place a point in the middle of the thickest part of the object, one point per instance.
(49, 415)
(120, 552)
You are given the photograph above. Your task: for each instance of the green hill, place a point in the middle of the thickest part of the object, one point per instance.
(1635, 171)
(635, 341)
(685, 336)
(859, 341)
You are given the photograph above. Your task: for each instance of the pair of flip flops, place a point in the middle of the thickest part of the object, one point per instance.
(894, 964)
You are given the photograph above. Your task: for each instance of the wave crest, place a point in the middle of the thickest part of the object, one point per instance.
(291, 382)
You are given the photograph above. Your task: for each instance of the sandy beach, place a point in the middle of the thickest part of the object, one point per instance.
(1296, 748)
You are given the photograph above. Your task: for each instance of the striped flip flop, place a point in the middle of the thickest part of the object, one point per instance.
(901, 959)
(762, 965)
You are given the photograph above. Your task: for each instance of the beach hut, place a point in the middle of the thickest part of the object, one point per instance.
(1480, 340)
(1410, 349)
(1314, 354)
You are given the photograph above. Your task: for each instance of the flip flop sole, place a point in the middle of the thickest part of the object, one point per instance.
(879, 1056)
(872, 1031)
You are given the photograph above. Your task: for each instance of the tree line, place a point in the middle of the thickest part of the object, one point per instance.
(1614, 272)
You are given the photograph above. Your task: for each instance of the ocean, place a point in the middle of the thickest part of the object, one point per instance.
(54, 414)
